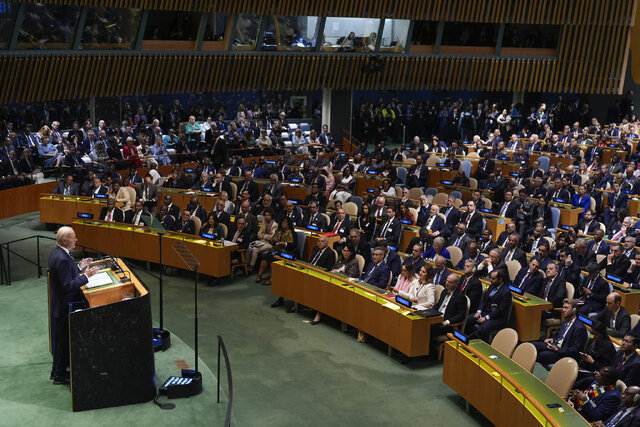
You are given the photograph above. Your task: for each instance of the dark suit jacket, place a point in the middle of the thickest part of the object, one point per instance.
(65, 282)
(274, 190)
(251, 186)
(602, 351)
(452, 219)
(118, 215)
(223, 217)
(473, 290)
(498, 305)
(574, 340)
(437, 224)
(485, 250)
(465, 257)
(188, 227)
(593, 226)
(393, 232)
(531, 285)
(174, 211)
(581, 261)
(344, 229)
(628, 367)
(475, 225)
(511, 211)
(130, 215)
(223, 186)
(442, 280)
(74, 189)
(327, 260)
(630, 419)
(563, 194)
(602, 250)
(618, 267)
(364, 249)
(152, 193)
(456, 308)
(295, 218)
(319, 221)
(378, 276)
(463, 241)
(621, 202)
(519, 255)
(622, 324)
(557, 291)
(601, 407)
(244, 239)
(394, 262)
(599, 293)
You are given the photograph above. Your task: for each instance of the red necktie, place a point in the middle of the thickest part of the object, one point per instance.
(335, 229)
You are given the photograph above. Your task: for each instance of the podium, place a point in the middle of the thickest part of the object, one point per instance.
(111, 343)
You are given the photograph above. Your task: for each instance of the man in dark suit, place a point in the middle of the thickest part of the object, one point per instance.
(472, 219)
(221, 214)
(291, 212)
(415, 261)
(250, 185)
(245, 212)
(601, 399)
(471, 253)
(172, 209)
(628, 247)
(392, 259)
(452, 216)
(314, 218)
(512, 251)
(67, 187)
(507, 209)
(485, 241)
(594, 290)
(435, 224)
(582, 254)
(503, 238)
(440, 272)
(528, 278)
(568, 270)
(148, 193)
(485, 167)
(615, 317)
(627, 414)
(616, 263)
(198, 210)
(616, 201)
(558, 192)
(534, 171)
(494, 308)
(588, 224)
(460, 238)
(134, 216)
(471, 286)
(316, 196)
(111, 213)
(377, 273)
(632, 278)
(568, 341)
(361, 245)
(390, 230)
(452, 305)
(422, 239)
(340, 225)
(553, 289)
(65, 281)
(273, 187)
(322, 256)
(219, 185)
(418, 173)
(186, 224)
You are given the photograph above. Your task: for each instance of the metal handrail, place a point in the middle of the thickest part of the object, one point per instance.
(221, 346)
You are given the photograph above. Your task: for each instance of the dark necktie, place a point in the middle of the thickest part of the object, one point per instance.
(547, 289)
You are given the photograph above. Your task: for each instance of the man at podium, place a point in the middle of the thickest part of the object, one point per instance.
(65, 279)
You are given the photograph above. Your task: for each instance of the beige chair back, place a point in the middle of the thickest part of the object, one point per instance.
(473, 183)
(474, 154)
(444, 218)
(592, 202)
(131, 193)
(634, 320)
(456, 254)
(327, 217)
(350, 208)
(513, 267)
(440, 199)
(525, 355)
(571, 291)
(621, 386)
(410, 160)
(198, 224)
(398, 191)
(331, 204)
(505, 341)
(415, 193)
(432, 161)
(360, 259)
(414, 213)
(225, 230)
(234, 191)
(562, 376)
(457, 203)
(600, 257)
(390, 278)
(488, 204)
(438, 292)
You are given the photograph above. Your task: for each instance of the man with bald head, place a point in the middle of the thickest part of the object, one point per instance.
(197, 210)
(615, 316)
(65, 280)
(245, 212)
(452, 305)
(627, 414)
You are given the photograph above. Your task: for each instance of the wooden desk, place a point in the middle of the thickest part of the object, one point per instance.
(502, 390)
(364, 309)
(527, 316)
(139, 243)
(59, 209)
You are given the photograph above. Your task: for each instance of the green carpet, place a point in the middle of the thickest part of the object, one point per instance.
(285, 371)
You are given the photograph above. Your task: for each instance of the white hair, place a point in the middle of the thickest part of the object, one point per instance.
(62, 233)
